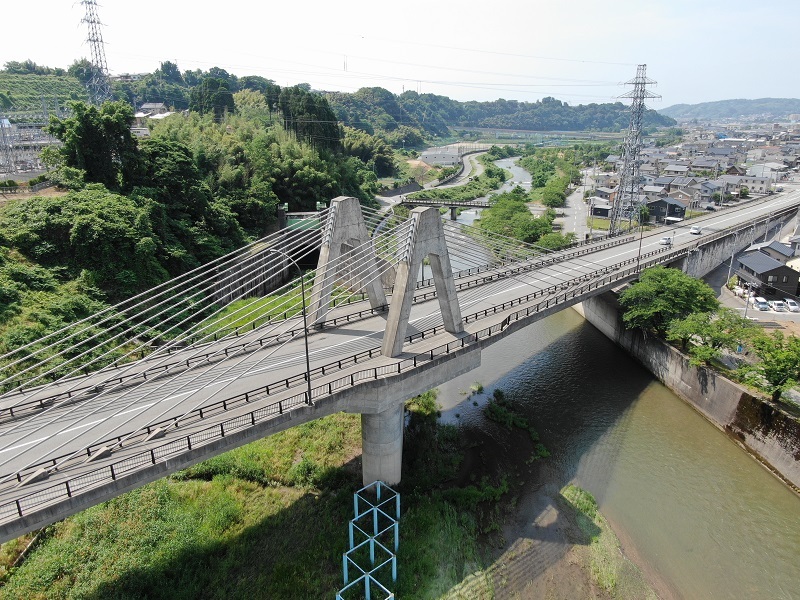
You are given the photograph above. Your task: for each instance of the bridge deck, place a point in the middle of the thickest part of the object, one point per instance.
(264, 388)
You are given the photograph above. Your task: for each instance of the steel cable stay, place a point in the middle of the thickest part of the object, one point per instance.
(185, 335)
(166, 383)
(157, 417)
(168, 299)
(164, 289)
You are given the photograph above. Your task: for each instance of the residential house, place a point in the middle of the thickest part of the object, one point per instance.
(778, 251)
(682, 183)
(153, 108)
(663, 181)
(666, 208)
(685, 197)
(654, 191)
(598, 207)
(606, 193)
(735, 170)
(707, 190)
(676, 170)
(772, 276)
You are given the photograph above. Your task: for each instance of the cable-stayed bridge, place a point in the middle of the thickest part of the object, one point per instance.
(205, 363)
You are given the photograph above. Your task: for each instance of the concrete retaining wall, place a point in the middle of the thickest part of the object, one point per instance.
(761, 427)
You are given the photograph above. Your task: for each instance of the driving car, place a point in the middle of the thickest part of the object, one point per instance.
(665, 241)
(778, 306)
(792, 305)
(694, 229)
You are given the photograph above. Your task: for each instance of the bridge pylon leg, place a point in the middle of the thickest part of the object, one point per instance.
(382, 446)
(425, 238)
(345, 229)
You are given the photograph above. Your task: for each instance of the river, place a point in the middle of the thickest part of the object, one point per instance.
(700, 513)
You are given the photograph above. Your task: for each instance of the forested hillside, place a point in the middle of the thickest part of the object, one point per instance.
(769, 108)
(376, 109)
(141, 211)
(24, 93)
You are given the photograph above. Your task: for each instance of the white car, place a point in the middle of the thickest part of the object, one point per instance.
(665, 241)
(778, 306)
(694, 229)
(792, 305)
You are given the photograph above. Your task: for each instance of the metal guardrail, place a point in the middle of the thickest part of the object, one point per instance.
(110, 472)
(15, 411)
(107, 473)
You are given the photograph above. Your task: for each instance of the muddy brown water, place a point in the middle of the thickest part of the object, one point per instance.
(701, 514)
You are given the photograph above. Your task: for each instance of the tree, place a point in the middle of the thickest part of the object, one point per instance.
(98, 141)
(712, 332)
(82, 70)
(779, 368)
(212, 96)
(744, 192)
(663, 295)
(643, 215)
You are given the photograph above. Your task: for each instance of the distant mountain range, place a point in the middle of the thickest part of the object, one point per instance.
(774, 108)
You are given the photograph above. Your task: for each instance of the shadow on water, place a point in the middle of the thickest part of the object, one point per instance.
(573, 388)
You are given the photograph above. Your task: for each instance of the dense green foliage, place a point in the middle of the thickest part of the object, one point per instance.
(97, 141)
(779, 366)
(245, 523)
(663, 295)
(734, 109)
(24, 93)
(378, 110)
(711, 333)
(509, 215)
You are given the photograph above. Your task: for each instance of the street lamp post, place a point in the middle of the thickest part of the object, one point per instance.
(305, 322)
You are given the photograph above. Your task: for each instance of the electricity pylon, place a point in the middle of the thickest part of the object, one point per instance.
(628, 199)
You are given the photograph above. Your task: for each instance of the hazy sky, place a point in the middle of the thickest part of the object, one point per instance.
(579, 51)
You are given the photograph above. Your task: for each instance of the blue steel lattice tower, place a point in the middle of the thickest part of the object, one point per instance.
(98, 86)
(628, 199)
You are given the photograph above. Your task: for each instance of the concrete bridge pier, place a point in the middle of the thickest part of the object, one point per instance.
(453, 213)
(382, 445)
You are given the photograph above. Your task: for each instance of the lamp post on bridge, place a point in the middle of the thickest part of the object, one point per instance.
(305, 321)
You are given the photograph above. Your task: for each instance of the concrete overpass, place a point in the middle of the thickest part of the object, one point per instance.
(87, 438)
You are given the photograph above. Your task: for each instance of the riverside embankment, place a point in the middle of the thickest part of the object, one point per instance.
(699, 516)
(763, 428)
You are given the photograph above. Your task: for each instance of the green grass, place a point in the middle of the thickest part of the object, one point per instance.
(609, 567)
(249, 313)
(269, 520)
(26, 91)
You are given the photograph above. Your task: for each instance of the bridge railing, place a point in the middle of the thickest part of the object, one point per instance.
(107, 473)
(15, 411)
(152, 456)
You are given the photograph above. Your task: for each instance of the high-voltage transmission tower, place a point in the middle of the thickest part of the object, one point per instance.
(628, 199)
(98, 86)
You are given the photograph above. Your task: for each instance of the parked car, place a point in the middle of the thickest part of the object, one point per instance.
(760, 303)
(710, 207)
(694, 229)
(792, 305)
(778, 306)
(665, 241)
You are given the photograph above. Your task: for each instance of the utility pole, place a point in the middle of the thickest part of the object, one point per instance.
(98, 86)
(627, 199)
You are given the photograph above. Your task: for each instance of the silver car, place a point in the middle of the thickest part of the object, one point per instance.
(778, 306)
(792, 305)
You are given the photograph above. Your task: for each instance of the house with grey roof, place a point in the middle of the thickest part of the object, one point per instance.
(777, 250)
(676, 170)
(771, 275)
(666, 208)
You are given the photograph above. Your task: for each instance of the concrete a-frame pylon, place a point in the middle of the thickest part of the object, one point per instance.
(345, 229)
(425, 238)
